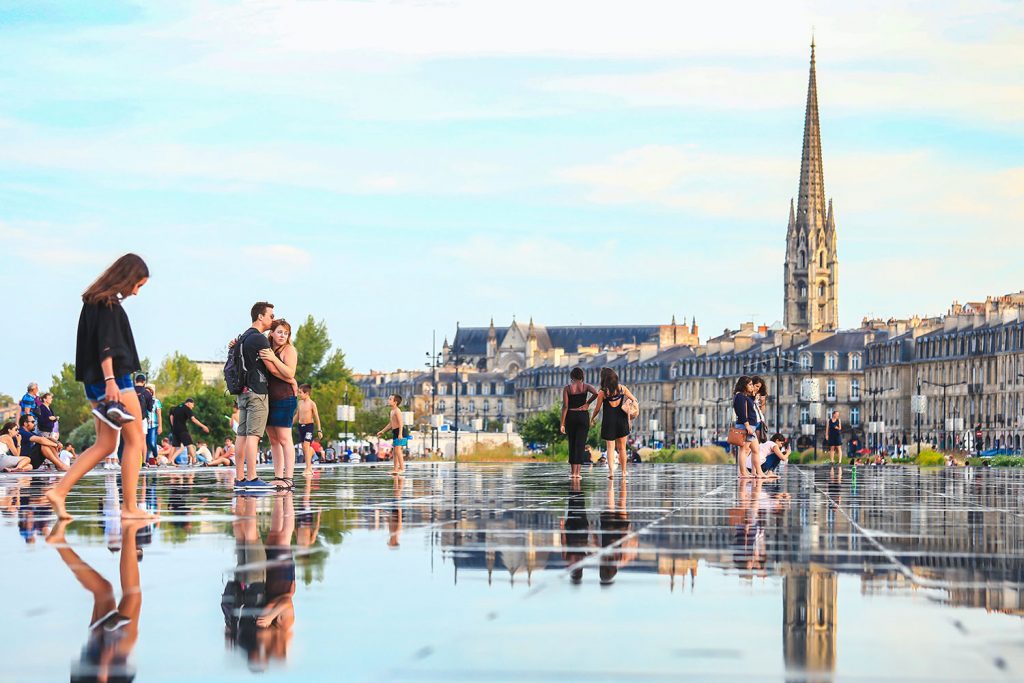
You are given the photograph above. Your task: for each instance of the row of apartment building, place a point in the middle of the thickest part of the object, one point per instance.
(969, 364)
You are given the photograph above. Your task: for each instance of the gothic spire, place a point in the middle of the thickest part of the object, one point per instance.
(811, 199)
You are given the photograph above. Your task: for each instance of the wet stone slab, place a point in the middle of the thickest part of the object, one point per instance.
(512, 573)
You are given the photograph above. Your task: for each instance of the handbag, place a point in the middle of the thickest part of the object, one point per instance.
(630, 407)
(762, 433)
(737, 436)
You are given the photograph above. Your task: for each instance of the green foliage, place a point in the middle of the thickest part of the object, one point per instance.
(6, 399)
(333, 394)
(315, 367)
(543, 427)
(806, 457)
(930, 459)
(1006, 461)
(178, 376)
(69, 401)
(82, 436)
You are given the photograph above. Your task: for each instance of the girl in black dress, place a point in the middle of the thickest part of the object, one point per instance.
(106, 361)
(834, 438)
(576, 399)
(614, 421)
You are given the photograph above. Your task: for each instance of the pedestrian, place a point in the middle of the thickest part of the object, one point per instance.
(834, 438)
(154, 422)
(308, 418)
(281, 360)
(105, 360)
(760, 406)
(27, 404)
(180, 417)
(398, 439)
(576, 400)
(746, 419)
(773, 452)
(253, 402)
(36, 447)
(615, 426)
(46, 421)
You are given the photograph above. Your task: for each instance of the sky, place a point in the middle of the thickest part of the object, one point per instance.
(397, 167)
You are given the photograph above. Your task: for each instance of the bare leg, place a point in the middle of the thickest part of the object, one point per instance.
(307, 452)
(610, 450)
(621, 444)
(399, 459)
(106, 442)
(276, 451)
(131, 460)
(741, 455)
(50, 453)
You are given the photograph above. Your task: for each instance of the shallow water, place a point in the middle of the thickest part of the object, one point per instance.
(508, 572)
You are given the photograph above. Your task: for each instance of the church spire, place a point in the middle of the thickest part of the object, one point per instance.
(811, 199)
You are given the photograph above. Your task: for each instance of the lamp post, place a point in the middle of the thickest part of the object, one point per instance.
(776, 367)
(435, 360)
(944, 385)
(879, 427)
(458, 380)
(345, 414)
(716, 402)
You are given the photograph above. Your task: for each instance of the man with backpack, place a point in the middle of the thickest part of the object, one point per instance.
(246, 376)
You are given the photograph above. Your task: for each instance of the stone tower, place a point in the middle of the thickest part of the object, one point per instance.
(811, 278)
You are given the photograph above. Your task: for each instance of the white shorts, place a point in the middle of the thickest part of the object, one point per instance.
(7, 460)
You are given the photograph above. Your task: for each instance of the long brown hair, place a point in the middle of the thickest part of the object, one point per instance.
(117, 281)
(609, 382)
(281, 322)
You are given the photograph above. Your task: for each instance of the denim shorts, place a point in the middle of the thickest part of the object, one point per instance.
(96, 392)
(750, 437)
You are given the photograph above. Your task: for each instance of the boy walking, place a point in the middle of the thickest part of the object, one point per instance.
(308, 416)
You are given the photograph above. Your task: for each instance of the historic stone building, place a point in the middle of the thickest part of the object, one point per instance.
(486, 395)
(969, 364)
(811, 273)
(518, 347)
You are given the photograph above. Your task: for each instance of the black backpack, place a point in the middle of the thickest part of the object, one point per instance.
(235, 372)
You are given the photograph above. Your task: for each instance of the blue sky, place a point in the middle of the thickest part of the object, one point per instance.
(395, 167)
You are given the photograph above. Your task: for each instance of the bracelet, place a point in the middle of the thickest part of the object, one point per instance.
(107, 379)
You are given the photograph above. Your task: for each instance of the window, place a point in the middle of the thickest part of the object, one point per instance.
(831, 390)
(440, 406)
(821, 259)
(855, 361)
(805, 415)
(485, 388)
(499, 388)
(471, 407)
(471, 386)
(442, 389)
(821, 290)
(832, 360)
(855, 388)
(487, 405)
(855, 416)
(805, 361)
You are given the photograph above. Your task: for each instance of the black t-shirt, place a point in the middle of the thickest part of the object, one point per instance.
(182, 416)
(255, 370)
(146, 401)
(104, 332)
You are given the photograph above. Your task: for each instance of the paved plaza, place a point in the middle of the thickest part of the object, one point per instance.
(510, 573)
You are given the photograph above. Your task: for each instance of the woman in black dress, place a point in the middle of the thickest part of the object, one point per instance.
(576, 399)
(834, 438)
(614, 421)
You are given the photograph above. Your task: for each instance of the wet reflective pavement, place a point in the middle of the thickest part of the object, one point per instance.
(509, 572)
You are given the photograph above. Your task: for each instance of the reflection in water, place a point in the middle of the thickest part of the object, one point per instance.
(113, 626)
(809, 621)
(257, 601)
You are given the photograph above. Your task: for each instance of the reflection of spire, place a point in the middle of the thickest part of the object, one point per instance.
(809, 621)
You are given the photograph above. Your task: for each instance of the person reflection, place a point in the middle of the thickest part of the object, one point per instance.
(395, 516)
(113, 626)
(575, 532)
(257, 602)
(620, 549)
(749, 548)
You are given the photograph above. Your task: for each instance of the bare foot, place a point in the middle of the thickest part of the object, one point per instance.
(135, 513)
(57, 503)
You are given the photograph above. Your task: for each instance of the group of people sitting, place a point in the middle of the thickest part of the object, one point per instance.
(23, 447)
(169, 454)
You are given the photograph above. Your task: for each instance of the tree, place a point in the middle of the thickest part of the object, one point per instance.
(315, 367)
(370, 420)
(213, 408)
(6, 399)
(544, 427)
(178, 375)
(328, 397)
(69, 401)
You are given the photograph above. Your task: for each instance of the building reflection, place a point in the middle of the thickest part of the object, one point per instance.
(809, 621)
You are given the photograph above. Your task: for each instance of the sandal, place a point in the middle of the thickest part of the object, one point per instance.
(284, 484)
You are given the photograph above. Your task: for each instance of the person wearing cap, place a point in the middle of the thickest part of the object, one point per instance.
(180, 417)
(146, 404)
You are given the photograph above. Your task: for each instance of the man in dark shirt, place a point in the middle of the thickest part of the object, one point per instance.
(253, 403)
(47, 421)
(38, 448)
(180, 436)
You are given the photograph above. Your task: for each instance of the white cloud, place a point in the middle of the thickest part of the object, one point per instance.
(276, 262)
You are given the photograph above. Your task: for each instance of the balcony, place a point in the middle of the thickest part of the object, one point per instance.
(975, 389)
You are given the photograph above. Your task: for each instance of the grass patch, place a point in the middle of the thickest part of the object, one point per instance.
(705, 455)
(930, 459)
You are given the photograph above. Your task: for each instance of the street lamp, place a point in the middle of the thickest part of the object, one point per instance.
(435, 360)
(777, 368)
(716, 402)
(944, 385)
(346, 413)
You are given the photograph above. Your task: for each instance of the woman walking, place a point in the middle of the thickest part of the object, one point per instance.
(281, 359)
(576, 399)
(105, 361)
(834, 438)
(746, 419)
(614, 421)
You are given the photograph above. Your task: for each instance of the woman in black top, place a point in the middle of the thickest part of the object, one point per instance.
(834, 438)
(105, 361)
(746, 418)
(576, 419)
(614, 421)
